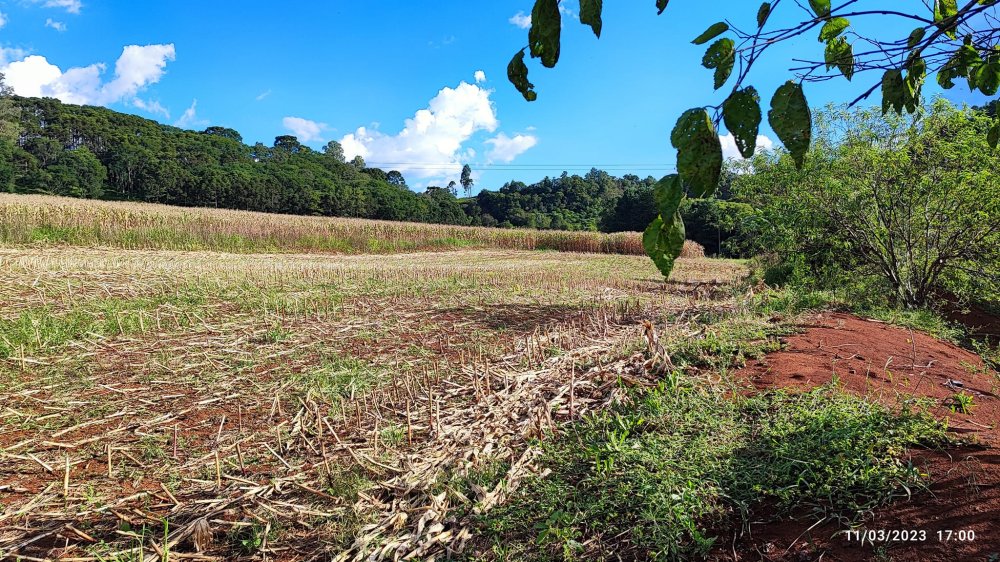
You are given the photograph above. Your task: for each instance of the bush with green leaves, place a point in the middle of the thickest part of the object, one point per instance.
(912, 202)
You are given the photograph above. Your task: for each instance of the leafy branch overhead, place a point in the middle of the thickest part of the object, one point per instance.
(953, 41)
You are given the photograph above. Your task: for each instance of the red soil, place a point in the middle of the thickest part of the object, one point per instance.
(892, 364)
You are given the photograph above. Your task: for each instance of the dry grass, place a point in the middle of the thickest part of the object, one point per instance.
(216, 403)
(200, 405)
(35, 219)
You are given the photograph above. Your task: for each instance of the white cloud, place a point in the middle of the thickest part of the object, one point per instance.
(480, 76)
(520, 20)
(506, 149)
(10, 54)
(153, 107)
(3, 19)
(430, 144)
(136, 68)
(304, 129)
(189, 119)
(56, 25)
(71, 6)
(263, 95)
(730, 150)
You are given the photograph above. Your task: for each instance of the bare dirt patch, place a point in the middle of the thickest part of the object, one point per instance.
(898, 367)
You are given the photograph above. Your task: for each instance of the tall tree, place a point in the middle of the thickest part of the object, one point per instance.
(358, 162)
(334, 150)
(394, 177)
(10, 126)
(466, 180)
(288, 143)
(224, 132)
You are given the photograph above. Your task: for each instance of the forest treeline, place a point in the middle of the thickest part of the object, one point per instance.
(94, 152)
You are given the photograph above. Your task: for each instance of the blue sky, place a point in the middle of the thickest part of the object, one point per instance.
(397, 81)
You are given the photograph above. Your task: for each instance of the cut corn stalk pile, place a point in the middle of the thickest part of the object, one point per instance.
(200, 406)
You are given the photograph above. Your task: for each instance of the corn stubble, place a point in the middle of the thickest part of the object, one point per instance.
(297, 406)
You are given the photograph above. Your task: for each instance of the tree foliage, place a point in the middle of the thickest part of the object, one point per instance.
(949, 40)
(94, 152)
(911, 201)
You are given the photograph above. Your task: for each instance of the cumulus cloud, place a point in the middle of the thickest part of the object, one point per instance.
(521, 20)
(304, 129)
(729, 149)
(136, 68)
(56, 25)
(430, 144)
(506, 149)
(480, 76)
(71, 6)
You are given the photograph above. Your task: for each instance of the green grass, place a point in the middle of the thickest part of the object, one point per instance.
(661, 478)
(338, 378)
(41, 328)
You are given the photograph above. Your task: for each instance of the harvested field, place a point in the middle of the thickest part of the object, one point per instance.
(199, 405)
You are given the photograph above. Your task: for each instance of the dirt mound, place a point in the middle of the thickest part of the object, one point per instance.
(896, 366)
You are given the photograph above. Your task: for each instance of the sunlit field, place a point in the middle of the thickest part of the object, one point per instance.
(28, 219)
(160, 403)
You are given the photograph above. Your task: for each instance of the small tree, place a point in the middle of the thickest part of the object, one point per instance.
(915, 201)
(358, 162)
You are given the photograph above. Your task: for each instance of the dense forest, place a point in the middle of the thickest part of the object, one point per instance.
(94, 152)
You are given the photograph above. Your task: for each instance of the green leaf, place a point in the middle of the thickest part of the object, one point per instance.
(791, 119)
(916, 36)
(668, 193)
(590, 14)
(762, 13)
(988, 77)
(894, 92)
(820, 7)
(661, 5)
(699, 151)
(664, 241)
(517, 73)
(721, 56)
(833, 28)
(994, 135)
(742, 116)
(963, 64)
(943, 11)
(840, 54)
(546, 27)
(713, 31)
(915, 74)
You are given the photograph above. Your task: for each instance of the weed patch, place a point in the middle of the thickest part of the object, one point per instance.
(656, 479)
